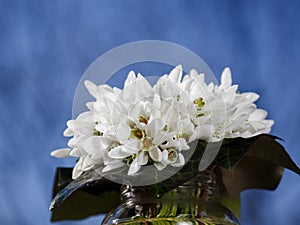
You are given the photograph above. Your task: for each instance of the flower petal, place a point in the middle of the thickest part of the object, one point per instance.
(96, 146)
(226, 80)
(130, 79)
(144, 87)
(250, 96)
(176, 74)
(118, 153)
(182, 144)
(258, 114)
(87, 163)
(155, 154)
(77, 170)
(134, 167)
(180, 161)
(204, 132)
(132, 147)
(165, 155)
(112, 166)
(159, 138)
(160, 165)
(123, 133)
(154, 126)
(92, 88)
(76, 153)
(257, 125)
(68, 132)
(61, 153)
(142, 158)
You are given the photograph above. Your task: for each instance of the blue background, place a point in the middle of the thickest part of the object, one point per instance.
(45, 46)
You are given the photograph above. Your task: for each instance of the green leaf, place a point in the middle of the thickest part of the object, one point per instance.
(87, 195)
(232, 151)
(257, 164)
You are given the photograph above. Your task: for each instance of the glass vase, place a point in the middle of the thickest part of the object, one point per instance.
(194, 202)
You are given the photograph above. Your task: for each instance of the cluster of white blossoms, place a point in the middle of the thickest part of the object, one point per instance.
(143, 125)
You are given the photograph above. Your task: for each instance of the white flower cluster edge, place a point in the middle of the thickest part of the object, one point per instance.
(141, 125)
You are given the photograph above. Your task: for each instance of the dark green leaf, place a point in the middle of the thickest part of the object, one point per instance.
(88, 195)
(261, 165)
(84, 180)
(232, 151)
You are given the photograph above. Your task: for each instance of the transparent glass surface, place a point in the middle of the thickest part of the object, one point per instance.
(195, 202)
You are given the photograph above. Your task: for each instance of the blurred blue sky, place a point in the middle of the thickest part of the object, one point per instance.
(45, 46)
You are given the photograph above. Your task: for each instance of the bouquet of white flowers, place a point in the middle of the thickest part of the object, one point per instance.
(141, 124)
(126, 130)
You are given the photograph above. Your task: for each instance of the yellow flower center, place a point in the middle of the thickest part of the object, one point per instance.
(147, 142)
(97, 133)
(143, 120)
(136, 133)
(199, 102)
(184, 136)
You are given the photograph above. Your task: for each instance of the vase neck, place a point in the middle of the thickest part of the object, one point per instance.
(203, 186)
(130, 194)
